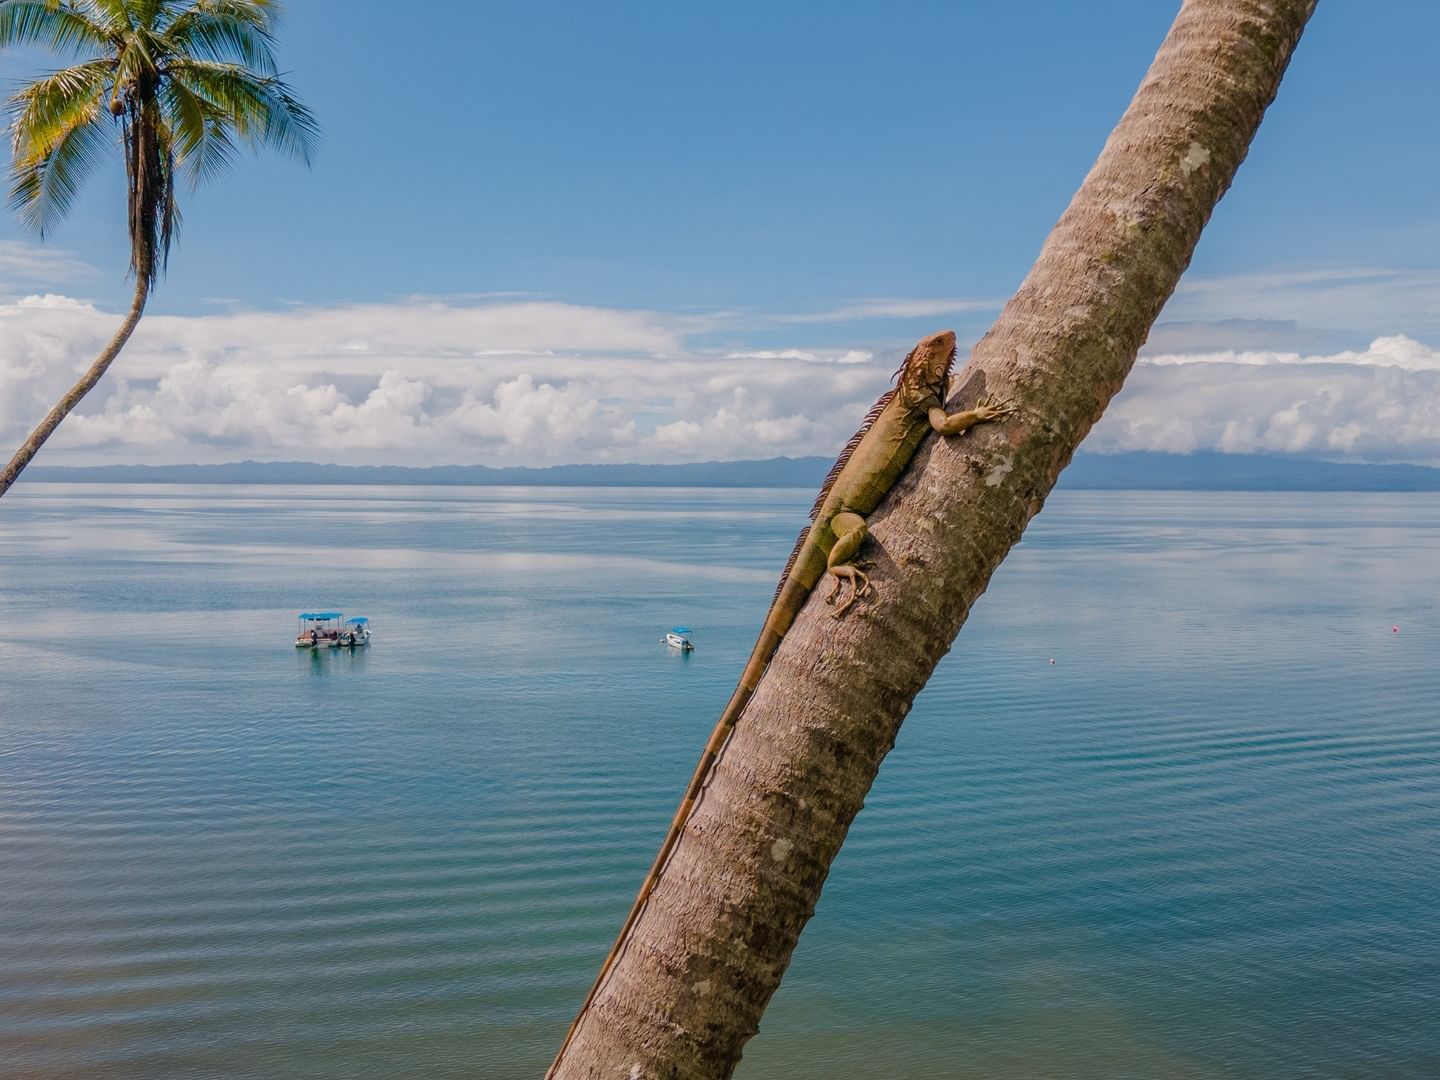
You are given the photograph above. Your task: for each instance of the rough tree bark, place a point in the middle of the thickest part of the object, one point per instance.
(704, 959)
(31, 446)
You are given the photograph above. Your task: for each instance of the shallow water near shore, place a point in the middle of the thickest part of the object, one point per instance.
(1204, 842)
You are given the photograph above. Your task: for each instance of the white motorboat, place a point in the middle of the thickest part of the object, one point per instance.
(676, 639)
(354, 632)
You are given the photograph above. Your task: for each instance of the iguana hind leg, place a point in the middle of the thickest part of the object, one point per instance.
(850, 533)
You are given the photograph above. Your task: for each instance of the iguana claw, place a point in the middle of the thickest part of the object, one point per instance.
(994, 410)
(859, 586)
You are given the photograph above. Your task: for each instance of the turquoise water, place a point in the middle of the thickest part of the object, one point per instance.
(1205, 842)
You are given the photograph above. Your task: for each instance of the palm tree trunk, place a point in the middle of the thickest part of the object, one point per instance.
(87, 382)
(701, 963)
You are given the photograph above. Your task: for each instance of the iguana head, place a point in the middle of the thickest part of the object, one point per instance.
(925, 374)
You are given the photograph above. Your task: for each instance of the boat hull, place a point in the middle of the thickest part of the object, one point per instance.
(341, 641)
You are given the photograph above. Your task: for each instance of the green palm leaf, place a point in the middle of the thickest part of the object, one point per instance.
(261, 109)
(188, 81)
(51, 25)
(230, 31)
(46, 109)
(45, 186)
(113, 14)
(200, 134)
(145, 12)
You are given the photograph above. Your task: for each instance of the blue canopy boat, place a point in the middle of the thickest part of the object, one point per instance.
(676, 638)
(324, 630)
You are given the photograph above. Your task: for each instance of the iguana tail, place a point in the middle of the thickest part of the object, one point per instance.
(795, 586)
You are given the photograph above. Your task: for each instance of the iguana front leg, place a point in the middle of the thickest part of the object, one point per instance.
(955, 423)
(850, 529)
(850, 532)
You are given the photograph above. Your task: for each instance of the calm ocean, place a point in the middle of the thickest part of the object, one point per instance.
(1204, 842)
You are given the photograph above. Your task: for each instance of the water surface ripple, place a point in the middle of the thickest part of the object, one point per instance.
(1204, 842)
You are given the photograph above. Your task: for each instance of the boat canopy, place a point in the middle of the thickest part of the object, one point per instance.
(359, 620)
(681, 630)
(321, 614)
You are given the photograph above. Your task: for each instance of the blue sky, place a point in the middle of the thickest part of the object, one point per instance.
(736, 183)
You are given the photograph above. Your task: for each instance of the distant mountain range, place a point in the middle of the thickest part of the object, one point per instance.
(1238, 472)
(1094, 472)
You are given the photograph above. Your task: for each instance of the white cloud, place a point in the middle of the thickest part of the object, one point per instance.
(529, 419)
(1186, 337)
(1406, 300)
(883, 308)
(23, 266)
(843, 356)
(1376, 404)
(46, 342)
(422, 383)
(526, 381)
(1396, 351)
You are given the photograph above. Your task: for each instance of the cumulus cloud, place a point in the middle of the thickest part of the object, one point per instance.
(1381, 403)
(45, 344)
(1396, 351)
(423, 382)
(518, 380)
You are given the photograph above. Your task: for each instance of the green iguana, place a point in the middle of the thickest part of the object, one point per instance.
(862, 476)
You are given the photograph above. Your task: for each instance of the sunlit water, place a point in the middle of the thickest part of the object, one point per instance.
(1204, 842)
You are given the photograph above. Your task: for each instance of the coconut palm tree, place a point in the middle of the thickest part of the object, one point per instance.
(178, 85)
(693, 974)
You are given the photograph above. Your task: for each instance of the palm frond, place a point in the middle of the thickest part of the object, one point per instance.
(261, 14)
(114, 15)
(200, 134)
(130, 65)
(144, 48)
(293, 128)
(53, 25)
(228, 31)
(261, 109)
(145, 12)
(45, 110)
(45, 186)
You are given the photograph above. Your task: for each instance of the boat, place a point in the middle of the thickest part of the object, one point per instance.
(355, 632)
(676, 638)
(325, 630)
(318, 629)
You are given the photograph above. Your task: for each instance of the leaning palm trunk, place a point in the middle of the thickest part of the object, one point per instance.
(87, 382)
(701, 963)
